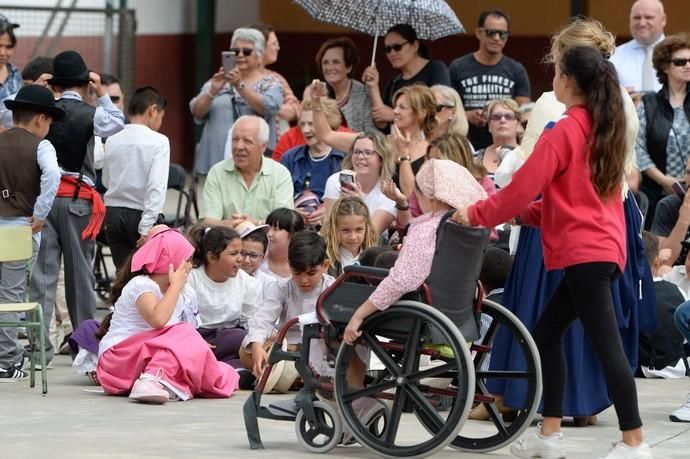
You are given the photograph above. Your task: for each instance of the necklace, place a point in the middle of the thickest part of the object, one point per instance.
(318, 159)
(343, 100)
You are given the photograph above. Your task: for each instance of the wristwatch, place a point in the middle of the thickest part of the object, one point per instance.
(403, 158)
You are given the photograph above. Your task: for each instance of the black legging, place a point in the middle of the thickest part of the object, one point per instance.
(585, 293)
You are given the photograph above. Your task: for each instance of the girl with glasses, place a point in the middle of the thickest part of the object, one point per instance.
(410, 57)
(245, 89)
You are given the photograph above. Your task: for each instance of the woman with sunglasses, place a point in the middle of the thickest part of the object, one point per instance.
(503, 116)
(450, 112)
(244, 89)
(663, 141)
(407, 55)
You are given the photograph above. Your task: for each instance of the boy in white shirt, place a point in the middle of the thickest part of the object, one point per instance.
(135, 172)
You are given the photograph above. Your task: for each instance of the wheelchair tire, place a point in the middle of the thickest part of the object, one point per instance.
(324, 436)
(401, 381)
(504, 432)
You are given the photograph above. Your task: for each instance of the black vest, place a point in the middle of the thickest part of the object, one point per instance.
(72, 137)
(20, 176)
(659, 116)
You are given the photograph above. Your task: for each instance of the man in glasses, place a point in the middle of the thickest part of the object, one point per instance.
(633, 59)
(488, 74)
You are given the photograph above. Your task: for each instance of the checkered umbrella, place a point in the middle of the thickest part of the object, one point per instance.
(432, 19)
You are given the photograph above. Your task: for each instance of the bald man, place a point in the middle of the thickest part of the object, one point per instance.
(633, 60)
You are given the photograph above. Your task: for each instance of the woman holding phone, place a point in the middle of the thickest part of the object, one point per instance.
(369, 162)
(244, 89)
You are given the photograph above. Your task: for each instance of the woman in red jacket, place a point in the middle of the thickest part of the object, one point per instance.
(577, 168)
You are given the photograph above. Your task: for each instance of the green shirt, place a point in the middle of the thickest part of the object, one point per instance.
(226, 193)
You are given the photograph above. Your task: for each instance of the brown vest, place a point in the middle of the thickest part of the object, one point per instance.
(20, 176)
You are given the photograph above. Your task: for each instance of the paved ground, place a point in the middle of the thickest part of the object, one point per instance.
(76, 421)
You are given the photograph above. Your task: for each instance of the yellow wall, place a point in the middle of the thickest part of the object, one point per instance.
(529, 17)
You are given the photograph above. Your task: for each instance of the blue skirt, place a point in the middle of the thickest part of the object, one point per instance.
(528, 290)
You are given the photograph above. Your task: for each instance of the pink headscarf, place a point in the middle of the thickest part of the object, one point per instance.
(166, 246)
(449, 182)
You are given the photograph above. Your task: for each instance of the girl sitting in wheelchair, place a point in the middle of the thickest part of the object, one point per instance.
(441, 186)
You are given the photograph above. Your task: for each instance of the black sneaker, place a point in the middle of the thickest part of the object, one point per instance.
(247, 379)
(12, 374)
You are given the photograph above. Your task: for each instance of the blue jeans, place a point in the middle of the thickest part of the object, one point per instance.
(682, 319)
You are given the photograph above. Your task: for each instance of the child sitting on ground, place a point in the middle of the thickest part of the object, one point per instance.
(254, 247)
(348, 231)
(289, 298)
(227, 296)
(151, 349)
(282, 223)
(661, 352)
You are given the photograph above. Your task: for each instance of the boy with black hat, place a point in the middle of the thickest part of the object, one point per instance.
(78, 211)
(29, 178)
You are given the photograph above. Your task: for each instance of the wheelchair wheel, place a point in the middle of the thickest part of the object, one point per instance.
(399, 336)
(325, 434)
(484, 436)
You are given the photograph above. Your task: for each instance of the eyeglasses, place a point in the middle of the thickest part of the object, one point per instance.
(396, 47)
(115, 99)
(252, 255)
(365, 153)
(440, 107)
(502, 34)
(510, 116)
(243, 51)
(680, 62)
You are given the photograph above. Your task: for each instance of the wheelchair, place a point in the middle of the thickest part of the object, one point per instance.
(433, 365)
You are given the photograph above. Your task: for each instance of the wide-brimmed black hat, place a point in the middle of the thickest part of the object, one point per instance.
(69, 69)
(5, 21)
(37, 99)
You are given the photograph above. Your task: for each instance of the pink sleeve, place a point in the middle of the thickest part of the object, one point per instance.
(412, 266)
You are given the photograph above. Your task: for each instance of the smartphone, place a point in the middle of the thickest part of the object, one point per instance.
(679, 190)
(228, 60)
(347, 178)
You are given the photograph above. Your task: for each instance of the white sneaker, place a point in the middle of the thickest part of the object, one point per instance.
(622, 451)
(538, 446)
(682, 414)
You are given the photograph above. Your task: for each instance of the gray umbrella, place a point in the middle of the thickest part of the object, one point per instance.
(432, 19)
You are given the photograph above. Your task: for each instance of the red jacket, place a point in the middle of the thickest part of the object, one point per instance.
(577, 225)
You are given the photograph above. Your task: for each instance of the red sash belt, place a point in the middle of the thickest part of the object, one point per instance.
(70, 187)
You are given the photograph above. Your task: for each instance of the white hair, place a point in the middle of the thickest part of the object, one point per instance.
(252, 35)
(263, 133)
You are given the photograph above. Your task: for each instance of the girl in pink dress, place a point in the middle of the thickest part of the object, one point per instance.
(152, 350)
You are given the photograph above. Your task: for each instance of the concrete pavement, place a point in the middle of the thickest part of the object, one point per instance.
(75, 420)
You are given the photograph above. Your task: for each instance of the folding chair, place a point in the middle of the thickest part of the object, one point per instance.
(177, 180)
(16, 245)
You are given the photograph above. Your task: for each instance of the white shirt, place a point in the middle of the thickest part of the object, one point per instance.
(374, 200)
(126, 319)
(629, 59)
(135, 172)
(225, 304)
(678, 276)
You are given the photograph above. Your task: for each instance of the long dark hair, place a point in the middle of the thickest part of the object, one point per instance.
(206, 238)
(124, 275)
(597, 79)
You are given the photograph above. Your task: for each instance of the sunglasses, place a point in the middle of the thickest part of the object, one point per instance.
(502, 34)
(440, 107)
(242, 51)
(507, 116)
(115, 99)
(680, 62)
(396, 47)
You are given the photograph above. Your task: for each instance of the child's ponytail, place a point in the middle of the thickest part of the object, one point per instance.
(597, 79)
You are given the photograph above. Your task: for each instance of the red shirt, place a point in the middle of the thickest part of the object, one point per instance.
(577, 225)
